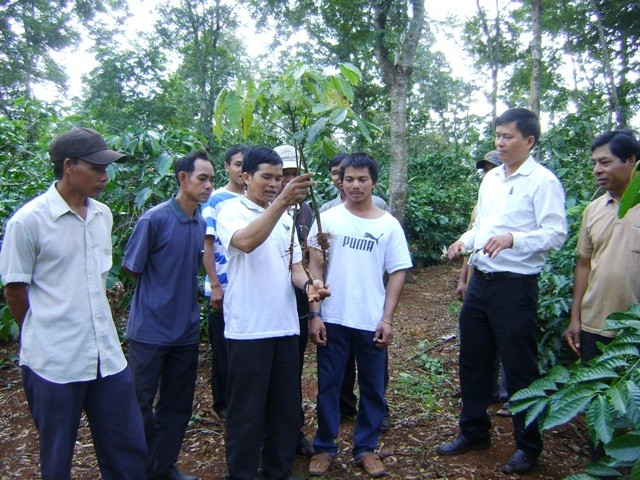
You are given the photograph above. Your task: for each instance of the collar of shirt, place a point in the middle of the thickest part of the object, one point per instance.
(525, 169)
(177, 210)
(609, 198)
(58, 206)
(251, 206)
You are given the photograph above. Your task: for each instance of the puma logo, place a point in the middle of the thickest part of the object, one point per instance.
(368, 235)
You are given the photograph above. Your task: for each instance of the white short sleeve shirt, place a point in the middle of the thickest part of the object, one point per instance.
(65, 261)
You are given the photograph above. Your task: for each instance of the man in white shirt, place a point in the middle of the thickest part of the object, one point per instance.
(365, 242)
(520, 219)
(261, 321)
(54, 263)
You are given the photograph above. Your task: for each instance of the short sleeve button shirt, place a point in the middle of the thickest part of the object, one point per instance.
(65, 261)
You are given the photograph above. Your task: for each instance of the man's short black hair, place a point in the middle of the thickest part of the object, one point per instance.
(337, 160)
(254, 157)
(187, 163)
(231, 151)
(527, 122)
(622, 143)
(360, 160)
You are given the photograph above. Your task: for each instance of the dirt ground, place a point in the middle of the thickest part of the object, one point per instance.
(422, 396)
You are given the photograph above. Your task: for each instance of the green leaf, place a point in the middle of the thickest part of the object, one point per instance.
(346, 89)
(564, 407)
(338, 116)
(635, 471)
(633, 401)
(617, 394)
(614, 362)
(163, 164)
(631, 196)
(316, 129)
(522, 405)
(599, 419)
(594, 373)
(558, 374)
(351, 73)
(248, 108)
(536, 409)
(142, 196)
(537, 389)
(625, 448)
(626, 337)
(600, 469)
(618, 350)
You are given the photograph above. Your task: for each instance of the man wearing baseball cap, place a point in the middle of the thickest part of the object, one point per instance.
(54, 262)
(489, 161)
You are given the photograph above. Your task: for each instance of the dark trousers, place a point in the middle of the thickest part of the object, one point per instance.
(498, 315)
(331, 366)
(589, 345)
(263, 407)
(114, 419)
(219, 360)
(173, 370)
(348, 399)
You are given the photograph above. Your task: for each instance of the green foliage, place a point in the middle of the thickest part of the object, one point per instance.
(31, 31)
(442, 191)
(303, 104)
(606, 389)
(631, 196)
(427, 383)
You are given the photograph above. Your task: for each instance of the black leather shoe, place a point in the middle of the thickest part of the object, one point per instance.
(520, 462)
(173, 474)
(462, 444)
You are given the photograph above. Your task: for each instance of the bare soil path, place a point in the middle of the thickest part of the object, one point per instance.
(422, 395)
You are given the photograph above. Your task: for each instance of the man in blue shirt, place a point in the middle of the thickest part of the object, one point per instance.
(164, 253)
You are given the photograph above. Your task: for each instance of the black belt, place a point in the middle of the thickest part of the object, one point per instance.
(501, 275)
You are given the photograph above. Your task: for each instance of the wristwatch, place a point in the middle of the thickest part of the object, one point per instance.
(314, 314)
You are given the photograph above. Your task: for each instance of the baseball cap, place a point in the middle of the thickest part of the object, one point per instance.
(491, 157)
(288, 155)
(83, 143)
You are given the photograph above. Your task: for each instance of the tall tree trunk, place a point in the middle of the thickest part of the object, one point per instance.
(606, 59)
(396, 74)
(536, 55)
(493, 46)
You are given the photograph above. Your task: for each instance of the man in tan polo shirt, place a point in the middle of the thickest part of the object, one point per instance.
(607, 274)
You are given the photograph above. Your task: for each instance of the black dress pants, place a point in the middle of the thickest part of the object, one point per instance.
(263, 407)
(169, 372)
(498, 314)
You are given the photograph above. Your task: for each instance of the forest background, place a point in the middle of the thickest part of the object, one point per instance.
(337, 75)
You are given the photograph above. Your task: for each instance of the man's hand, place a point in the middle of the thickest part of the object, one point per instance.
(454, 250)
(297, 189)
(573, 335)
(317, 290)
(217, 296)
(383, 334)
(317, 332)
(498, 243)
(461, 291)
